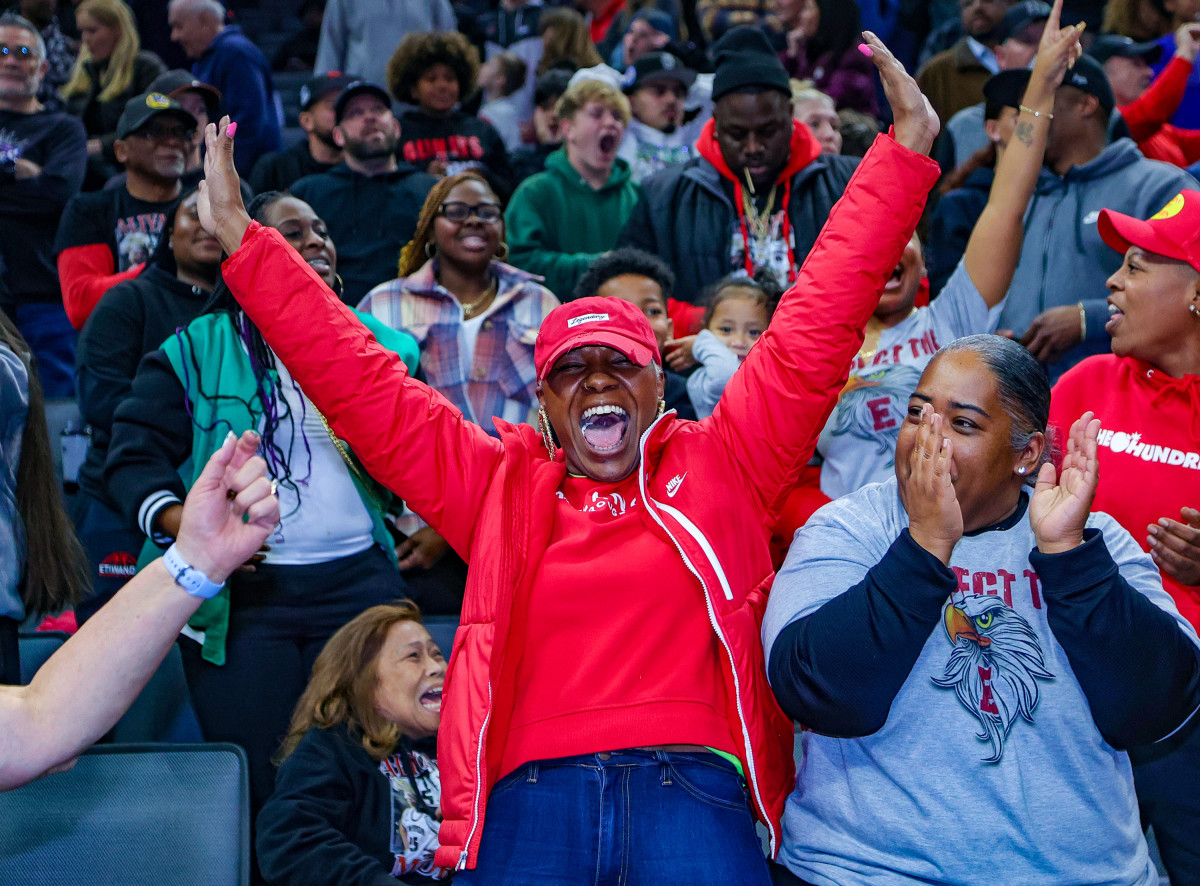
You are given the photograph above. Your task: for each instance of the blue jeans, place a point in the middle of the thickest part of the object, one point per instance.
(629, 818)
(51, 337)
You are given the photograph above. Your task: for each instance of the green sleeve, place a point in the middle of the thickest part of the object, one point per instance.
(395, 340)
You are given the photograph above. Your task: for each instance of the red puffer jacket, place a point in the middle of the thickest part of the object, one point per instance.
(712, 487)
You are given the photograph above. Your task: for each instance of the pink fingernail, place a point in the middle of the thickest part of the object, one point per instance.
(231, 129)
(865, 50)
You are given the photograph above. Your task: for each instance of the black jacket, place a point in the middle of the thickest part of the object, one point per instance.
(369, 218)
(951, 227)
(133, 318)
(280, 170)
(685, 217)
(333, 811)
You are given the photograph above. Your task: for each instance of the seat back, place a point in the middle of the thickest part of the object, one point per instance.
(442, 628)
(132, 814)
(35, 648)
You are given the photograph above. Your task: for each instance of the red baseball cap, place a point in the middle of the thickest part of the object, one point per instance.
(1173, 231)
(595, 320)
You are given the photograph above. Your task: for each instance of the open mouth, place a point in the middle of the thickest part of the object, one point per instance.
(320, 264)
(431, 700)
(893, 281)
(604, 428)
(608, 142)
(474, 241)
(1114, 317)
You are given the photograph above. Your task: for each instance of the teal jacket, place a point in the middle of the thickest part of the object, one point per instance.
(558, 224)
(210, 357)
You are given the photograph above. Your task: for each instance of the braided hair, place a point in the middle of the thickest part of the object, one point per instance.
(279, 454)
(412, 256)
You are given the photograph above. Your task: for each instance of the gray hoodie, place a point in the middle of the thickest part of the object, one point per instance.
(1063, 260)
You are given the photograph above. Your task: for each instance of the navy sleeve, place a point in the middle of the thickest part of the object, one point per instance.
(62, 156)
(151, 437)
(107, 356)
(837, 670)
(1139, 671)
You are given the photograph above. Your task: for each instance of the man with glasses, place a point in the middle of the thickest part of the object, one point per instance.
(370, 201)
(106, 236)
(42, 158)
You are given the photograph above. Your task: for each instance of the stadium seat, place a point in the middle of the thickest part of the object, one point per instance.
(442, 628)
(132, 814)
(35, 648)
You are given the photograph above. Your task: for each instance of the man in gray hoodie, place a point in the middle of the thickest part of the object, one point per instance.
(1057, 301)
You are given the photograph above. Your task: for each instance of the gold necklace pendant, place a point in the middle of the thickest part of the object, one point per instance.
(470, 309)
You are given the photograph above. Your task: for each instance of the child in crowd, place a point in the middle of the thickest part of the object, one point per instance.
(739, 310)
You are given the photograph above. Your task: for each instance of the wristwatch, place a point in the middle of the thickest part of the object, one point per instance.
(188, 577)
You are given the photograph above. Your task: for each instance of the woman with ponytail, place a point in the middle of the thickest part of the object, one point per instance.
(42, 565)
(247, 653)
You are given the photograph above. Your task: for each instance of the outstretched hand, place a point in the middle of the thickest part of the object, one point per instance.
(1062, 500)
(1058, 50)
(219, 204)
(914, 119)
(927, 489)
(230, 510)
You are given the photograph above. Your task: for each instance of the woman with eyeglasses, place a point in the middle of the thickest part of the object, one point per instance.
(476, 320)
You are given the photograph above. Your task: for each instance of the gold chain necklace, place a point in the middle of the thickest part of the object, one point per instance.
(470, 309)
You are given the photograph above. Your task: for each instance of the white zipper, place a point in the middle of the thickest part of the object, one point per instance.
(694, 531)
(462, 858)
(712, 616)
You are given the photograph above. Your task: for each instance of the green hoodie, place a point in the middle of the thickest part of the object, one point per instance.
(558, 224)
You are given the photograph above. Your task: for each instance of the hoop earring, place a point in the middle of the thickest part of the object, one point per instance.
(662, 407)
(430, 249)
(1191, 307)
(547, 434)
(502, 252)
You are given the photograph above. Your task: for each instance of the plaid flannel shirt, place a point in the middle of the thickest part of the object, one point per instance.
(501, 370)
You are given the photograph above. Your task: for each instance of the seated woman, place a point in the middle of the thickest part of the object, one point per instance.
(973, 660)
(247, 652)
(43, 568)
(1144, 394)
(608, 667)
(358, 795)
(475, 319)
(111, 69)
(132, 319)
(821, 45)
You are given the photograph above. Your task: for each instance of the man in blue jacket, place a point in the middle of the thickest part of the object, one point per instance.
(226, 59)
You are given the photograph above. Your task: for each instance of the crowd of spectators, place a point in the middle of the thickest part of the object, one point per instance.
(455, 172)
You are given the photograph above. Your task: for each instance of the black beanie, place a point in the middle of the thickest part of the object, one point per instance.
(745, 58)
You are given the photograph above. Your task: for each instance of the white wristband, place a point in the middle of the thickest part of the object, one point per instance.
(192, 580)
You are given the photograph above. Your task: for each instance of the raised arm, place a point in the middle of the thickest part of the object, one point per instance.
(775, 406)
(408, 436)
(995, 244)
(85, 687)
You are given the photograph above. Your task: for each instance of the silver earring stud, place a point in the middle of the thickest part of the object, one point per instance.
(1021, 469)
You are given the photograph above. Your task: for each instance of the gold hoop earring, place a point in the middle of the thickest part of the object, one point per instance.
(662, 407)
(1194, 310)
(547, 434)
(430, 249)
(502, 252)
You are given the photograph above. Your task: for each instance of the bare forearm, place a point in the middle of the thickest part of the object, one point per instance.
(84, 688)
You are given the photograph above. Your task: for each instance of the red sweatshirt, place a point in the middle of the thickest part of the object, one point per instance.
(1149, 445)
(1147, 117)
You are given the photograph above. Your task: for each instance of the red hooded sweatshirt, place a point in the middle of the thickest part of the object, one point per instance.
(803, 150)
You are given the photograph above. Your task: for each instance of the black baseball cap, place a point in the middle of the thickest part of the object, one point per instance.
(356, 88)
(654, 66)
(178, 80)
(141, 109)
(1020, 16)
(1108, 46)
(320, 86)
(1008, 87)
